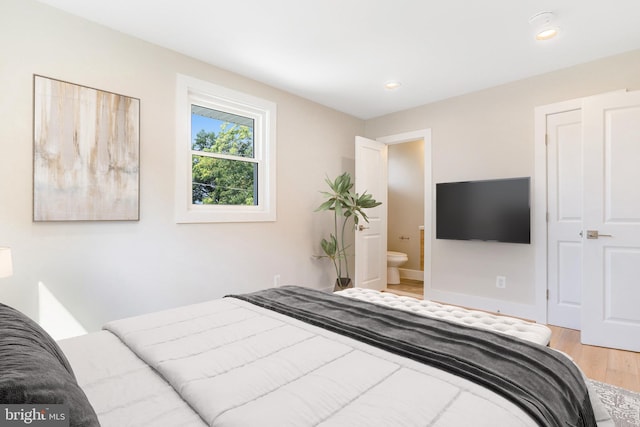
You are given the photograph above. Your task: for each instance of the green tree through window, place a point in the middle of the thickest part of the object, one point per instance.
(224, 171)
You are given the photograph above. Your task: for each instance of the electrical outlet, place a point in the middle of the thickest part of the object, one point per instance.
(276, 280)
(501, 282)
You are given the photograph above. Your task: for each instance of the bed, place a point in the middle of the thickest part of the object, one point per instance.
(293, 356)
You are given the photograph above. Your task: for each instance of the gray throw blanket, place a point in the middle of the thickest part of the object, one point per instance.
(544, 383)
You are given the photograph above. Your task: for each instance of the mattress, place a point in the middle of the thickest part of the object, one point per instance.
(228, 362)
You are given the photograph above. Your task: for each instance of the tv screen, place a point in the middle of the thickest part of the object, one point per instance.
(491, 210)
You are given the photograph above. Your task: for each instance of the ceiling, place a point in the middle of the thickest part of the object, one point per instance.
(339, 53)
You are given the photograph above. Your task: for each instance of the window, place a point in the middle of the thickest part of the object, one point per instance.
(223, 166)
(225, 170)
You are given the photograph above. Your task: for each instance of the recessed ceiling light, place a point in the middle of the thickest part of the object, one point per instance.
(392, 84)
(544, 26)
(547, 33)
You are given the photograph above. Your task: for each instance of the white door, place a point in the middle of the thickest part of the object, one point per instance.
(371, 238)
(564, 223)
(611, 245)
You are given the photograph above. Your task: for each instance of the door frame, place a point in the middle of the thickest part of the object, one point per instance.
(425, 135)
(540, 201)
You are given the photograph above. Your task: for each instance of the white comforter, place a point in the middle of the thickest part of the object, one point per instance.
(239, 365)
(236, 364)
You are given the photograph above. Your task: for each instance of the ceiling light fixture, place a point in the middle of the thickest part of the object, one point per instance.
(392, 85)
(544, 26)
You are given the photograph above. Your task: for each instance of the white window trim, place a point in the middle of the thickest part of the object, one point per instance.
(190, 90)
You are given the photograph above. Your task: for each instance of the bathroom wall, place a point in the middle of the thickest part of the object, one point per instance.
(406, 200)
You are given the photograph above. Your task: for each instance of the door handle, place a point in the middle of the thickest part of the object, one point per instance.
(594, 234)
(362, 227)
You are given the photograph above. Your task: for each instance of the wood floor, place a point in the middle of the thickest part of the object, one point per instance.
(617, 367)
(414, 288)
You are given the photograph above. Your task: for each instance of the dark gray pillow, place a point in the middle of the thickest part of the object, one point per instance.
(34, 370)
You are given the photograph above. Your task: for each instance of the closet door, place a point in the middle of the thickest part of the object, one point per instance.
(564, 222)
(611, 224)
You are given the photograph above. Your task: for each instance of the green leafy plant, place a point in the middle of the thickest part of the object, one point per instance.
(346, 206)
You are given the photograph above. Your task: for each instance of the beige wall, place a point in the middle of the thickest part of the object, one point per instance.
(102, 271)
(489, 134)
(406, 200)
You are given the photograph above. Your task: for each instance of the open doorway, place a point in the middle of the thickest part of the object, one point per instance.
(405, 217)
(409, 219)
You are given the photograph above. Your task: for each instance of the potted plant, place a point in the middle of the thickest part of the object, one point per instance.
(346, 206)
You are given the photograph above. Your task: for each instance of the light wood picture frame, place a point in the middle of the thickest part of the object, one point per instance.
(86, 153)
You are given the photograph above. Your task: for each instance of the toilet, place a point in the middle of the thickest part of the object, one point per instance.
(395, 260)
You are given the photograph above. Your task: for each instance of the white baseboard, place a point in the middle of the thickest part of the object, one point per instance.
(406, 273)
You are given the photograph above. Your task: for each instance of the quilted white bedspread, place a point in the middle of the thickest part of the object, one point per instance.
(237, 364)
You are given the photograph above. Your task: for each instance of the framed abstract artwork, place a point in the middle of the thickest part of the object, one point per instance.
(86, 153)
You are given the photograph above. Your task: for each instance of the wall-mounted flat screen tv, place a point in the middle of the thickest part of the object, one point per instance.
(490, 210)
